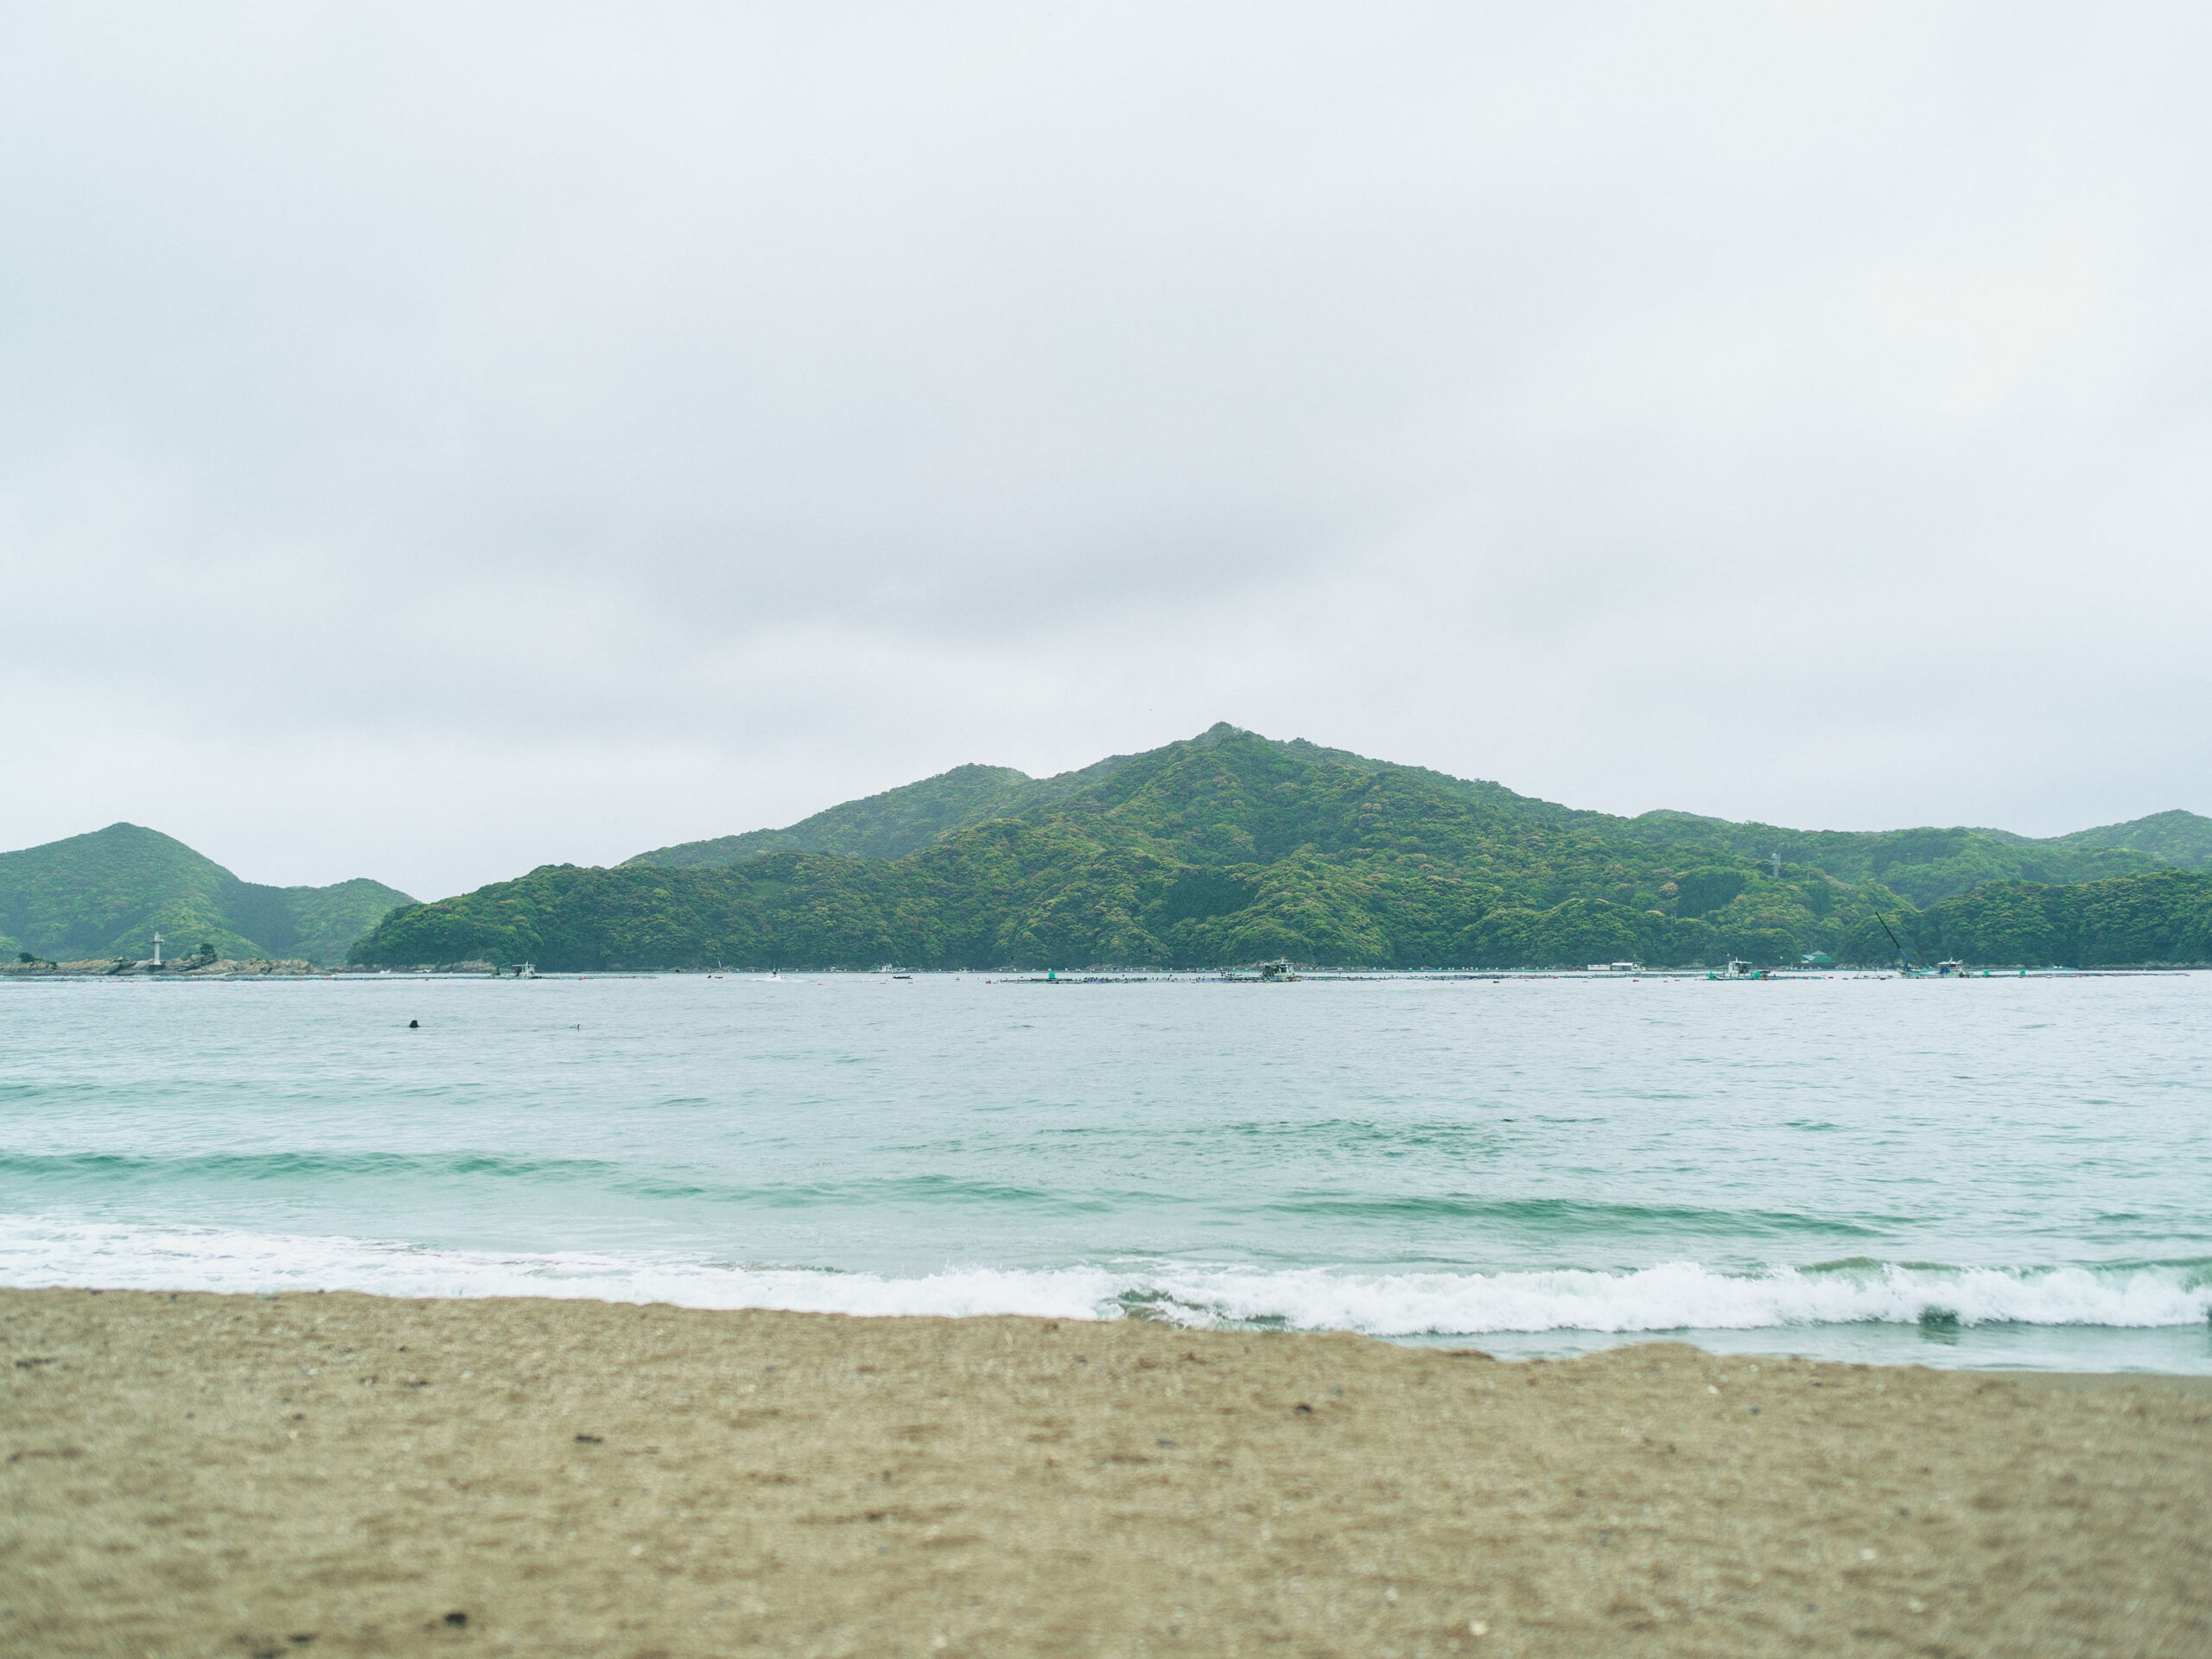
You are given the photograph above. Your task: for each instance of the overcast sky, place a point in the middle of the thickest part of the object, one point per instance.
(439, 441)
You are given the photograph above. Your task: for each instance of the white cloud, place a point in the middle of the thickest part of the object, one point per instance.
(432, 443)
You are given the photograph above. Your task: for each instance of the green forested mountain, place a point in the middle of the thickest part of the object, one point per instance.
(103, 895)
(1232, 847)
(2182, 839)
(905, 820)
(891, 825)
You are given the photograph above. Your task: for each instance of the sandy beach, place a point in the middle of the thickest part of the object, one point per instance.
(342, 1474)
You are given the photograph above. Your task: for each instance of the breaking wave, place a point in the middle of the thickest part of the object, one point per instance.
(1673, 1296)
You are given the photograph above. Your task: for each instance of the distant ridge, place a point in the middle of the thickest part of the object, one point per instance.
(905, 820)
(897, 822)
(1923, 864)
(102, 895)
(1230, 847)
(2183, 839)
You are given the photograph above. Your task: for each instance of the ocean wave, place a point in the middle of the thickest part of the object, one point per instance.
(1563, 1217)
(1673, 1296)
(78, 1170)
(93, 1166)
(1685, 1296)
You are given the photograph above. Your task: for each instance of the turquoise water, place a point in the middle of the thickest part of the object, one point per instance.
(1991, 1173)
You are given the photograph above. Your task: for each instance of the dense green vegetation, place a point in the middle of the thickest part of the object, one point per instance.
(1922, 865)
(2182, 839)
(103, 895)
(2162, 917)
(896, 823)
(1231, 847)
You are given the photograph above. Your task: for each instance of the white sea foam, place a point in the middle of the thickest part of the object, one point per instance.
(1682, 1295)
(1675, 1296)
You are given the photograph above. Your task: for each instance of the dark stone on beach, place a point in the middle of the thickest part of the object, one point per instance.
(590, 1439)
(456, 1619)
(1308, 1411)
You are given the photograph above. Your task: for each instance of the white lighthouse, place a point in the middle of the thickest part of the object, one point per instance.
(157, 947)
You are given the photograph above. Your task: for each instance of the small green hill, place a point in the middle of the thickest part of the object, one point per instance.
(1231, 847)
(103, 895)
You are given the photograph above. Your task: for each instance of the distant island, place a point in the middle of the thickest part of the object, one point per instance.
(1231, 847)
(103, 896)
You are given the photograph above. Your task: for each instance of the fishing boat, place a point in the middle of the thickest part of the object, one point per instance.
(1905, 969)
(1949, 968)
(1278, 972)
(1737, 970)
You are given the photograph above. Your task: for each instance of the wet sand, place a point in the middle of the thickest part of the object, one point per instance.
(343, 1475)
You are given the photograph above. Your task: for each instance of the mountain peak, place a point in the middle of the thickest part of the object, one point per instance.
(1220, 731)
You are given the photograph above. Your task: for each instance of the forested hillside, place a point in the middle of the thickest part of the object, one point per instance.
(2182, 839)
(893, 823)
(2164, 917)
(103, 895)
(1229, 847)
(1922, 865)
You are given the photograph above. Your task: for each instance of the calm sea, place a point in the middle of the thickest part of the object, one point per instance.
(2000, 1173)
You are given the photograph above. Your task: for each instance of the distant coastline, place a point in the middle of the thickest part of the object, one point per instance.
(1228, 847)
(1232, 847)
